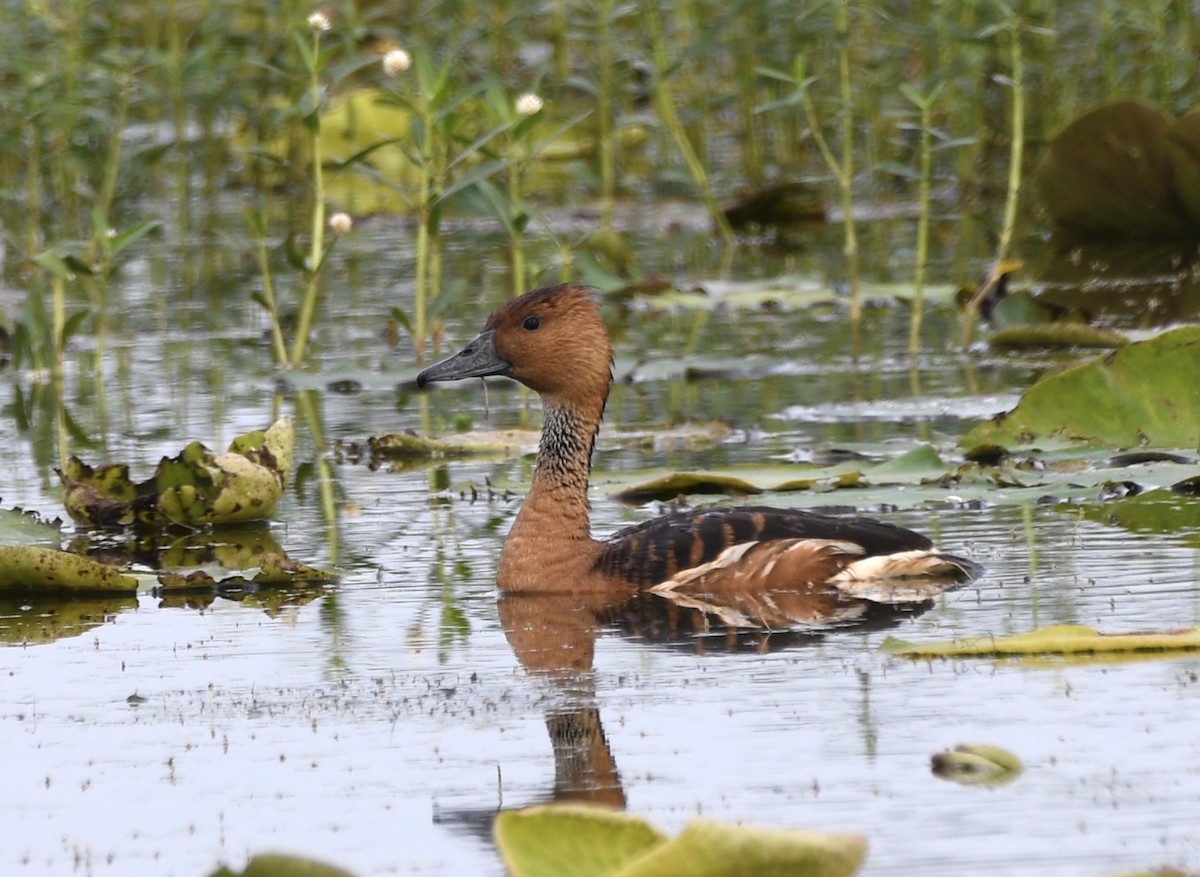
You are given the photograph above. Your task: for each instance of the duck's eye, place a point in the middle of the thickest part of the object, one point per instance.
(531, 323)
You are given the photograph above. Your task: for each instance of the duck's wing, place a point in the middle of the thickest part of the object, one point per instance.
(783, 583)
(652, 552)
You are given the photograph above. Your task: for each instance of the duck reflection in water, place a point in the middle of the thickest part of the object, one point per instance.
(741, 569)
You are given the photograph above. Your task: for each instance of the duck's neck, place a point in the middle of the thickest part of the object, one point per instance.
(550, 546)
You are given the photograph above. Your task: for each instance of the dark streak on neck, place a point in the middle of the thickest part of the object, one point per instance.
(565, 449)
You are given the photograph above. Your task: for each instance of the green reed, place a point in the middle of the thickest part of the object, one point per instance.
(924, 103)
(79, 77)
(1001, 260)
(664, 103)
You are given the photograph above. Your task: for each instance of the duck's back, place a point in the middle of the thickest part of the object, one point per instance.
(655, 550)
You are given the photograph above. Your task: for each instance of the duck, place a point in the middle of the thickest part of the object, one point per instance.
(554, 341)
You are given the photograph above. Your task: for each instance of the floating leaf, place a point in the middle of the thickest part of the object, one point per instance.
(1059, 639)
(684, 483)
(1056, 335)
(35, 569)
(579, 841)
(915, 466)
(19, 527)
(500, 443)
(565, 840)
(713, 849)
(1145, 394)
(194, 488)
(976, 764)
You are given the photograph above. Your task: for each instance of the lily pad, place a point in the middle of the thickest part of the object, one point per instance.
(713, 849)
(787, 293)
(498, 444)
(1056, 335)
(1058, 639)
(36, 569)
(18, 527)
(194, 488)
(1145, 394)
(564, 840)
(570, 840)
(916, 466)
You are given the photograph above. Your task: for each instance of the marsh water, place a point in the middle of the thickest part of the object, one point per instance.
(381, 723)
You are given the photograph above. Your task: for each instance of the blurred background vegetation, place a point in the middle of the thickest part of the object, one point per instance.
(171, 121)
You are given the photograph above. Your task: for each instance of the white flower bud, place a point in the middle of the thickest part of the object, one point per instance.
(318, 21)
(340, 223)
(396, 62)
(528, 104)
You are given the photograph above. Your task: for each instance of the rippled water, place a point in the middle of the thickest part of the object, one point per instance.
(381, 726)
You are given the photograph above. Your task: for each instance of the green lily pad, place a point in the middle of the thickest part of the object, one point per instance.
(565, 840)
(1145, 394)
(786, 293)
(1058, 639)
(975, 764)
(917, 466)
(570, 840)
(714, 849)
(497, 444)
(35, 569)
(1056, 335)
(194, 488)
(18, 527)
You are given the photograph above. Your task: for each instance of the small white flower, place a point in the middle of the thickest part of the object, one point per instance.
(112, 234)
(528, 104)
(396, 62)
(340, 223)
(318, 21)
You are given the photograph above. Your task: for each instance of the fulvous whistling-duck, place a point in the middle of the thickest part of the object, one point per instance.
(554, 341)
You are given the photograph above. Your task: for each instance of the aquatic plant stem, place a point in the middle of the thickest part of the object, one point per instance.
(423, 246)
(264, 267)
(58, 320)
(925, 103)
(316, 253)
(1012, 198)
(842, 167)
(605, 116)
(516, 226)
(842, 26)
(1017, 148)
(664, 102)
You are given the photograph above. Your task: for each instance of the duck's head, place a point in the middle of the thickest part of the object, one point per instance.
(552, 340)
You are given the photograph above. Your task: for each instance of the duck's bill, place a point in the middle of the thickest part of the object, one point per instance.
(478, 359)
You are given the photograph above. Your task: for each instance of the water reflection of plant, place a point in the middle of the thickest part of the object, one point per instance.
(449, 570)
